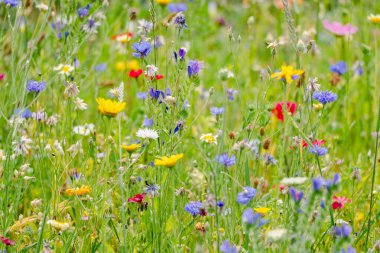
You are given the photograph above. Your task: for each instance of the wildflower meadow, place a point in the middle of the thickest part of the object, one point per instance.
(189, 126)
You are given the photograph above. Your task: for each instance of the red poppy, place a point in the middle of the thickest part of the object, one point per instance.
(315, 143)
(7, 241)
(339, 202)
(138, 198)
(278, 111)
(158, 77)
(2, 76)
(135, 73)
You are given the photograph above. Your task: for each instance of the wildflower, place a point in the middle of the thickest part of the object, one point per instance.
(147, 122)
(356, 174)
(83, 190)
(269, 159)
(155, 94)
(262, 210)
(138, 198)
(318, 183)
(168, 161)
(7, 241)
(83, 12)
(245, 196)
(225, 160)
(84, 130)
(109, 107)
(296, 195)
(225, 74)
(132, 147)
(278, 111)
(339, 29)
(64, 69)
(163, 2)
(226, 247)
(152, 190)
(374, 19)
(313, 85)
(22, 147)
(181, 53)
(25, 113)
(342, 231)
(194, 67)
(147, 133)
(273, 46)
(194, 208)
(217, 110)
(91, 26)
(276, 234)
(350, 249)
(141, 95)
(58, 225)
(35, 86)
(252, 218)
(12, 3)
(287, 74)
(151, 70)
(209, 138)
(2, 76)
(142, 49)
(144, 27)
(339, 68)
(135, 73)
(180, 21)
(80, 105)
(339, 202)
(231, 94)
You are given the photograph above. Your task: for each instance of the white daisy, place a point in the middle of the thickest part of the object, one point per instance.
(64, 69)
(80, 105)
(147, 133)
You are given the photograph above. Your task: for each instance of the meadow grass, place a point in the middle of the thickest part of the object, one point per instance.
(214, 136)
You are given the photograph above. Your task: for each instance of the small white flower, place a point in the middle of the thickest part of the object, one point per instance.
(80, 105)
(22, 146)
(276, 234)
(58, 147)
(84, 130)
(293, 180)
(42, 6)
(64, 69)
(147, 133)
(151, 70)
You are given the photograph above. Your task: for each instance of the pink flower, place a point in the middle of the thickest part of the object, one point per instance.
(339, 202)
(339, 29)
(7, 241)
(2, 76)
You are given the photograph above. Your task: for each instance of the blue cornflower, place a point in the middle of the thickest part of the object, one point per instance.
(231, 94)
(343, 231)
(268, 158)
(101, 67)
(245, 196)
(194, 208)
(216, 110)
(180, 21)
(12, 3)
(252, 218)
(155, 94)
(83, 12)
(226, 247)
(35, 86)
(325, 97)
(186, 104)
(318, 150)
(318, 183)
(332, 183)
(225, 160)
(23, 113)
(147, 122)
(142, 49)
(340, 68)
(220, 204)
(350, 249)
(194, 67)
(179, 126)
(141, 95)
(296, 195)
(180, 7)
(152, 189)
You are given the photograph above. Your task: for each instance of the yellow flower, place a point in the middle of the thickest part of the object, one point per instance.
(318, 106)
(163, 2)
(132, 147)
(109, 107)
(58, 225)
(83, 190)
(261, 210)
(287, 73)
(64, 69)
(359, 216)
(374, 19)
(209, 138)
(133, 64)
(168, 161)
(120, 65)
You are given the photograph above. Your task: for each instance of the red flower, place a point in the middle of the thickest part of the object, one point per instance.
(2, 76)
(158, 77)
(7, 241)
(339, 202)
(138, 198)
(123, 37)
(135, 73)
(278, 111)
(315, 142)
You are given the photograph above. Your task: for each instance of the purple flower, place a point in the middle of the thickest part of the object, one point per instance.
(318, 150)
(142, 49)
(181, 53)
(343, 231)
(332, 183)
(194, 67)
(220, 204)
(225, 160)
(216, 110)
(180, 21)
(350, 249)
(186, 104)
(141, 95)
(83, 12)
(252, 218)
(180, 7)
(318, 183)
(245, 196)
(340, 68)
(231, 94)
(193, 208)
(226, 247)
(296, 195)
(179, 126)
(12, 3)
(23, 113)
(155, 94)
(325, 97)
(147, 122)
(101, 67)
(35, 86)
(339, 29)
